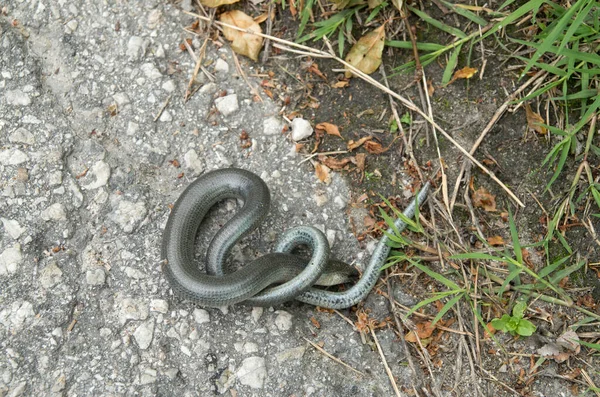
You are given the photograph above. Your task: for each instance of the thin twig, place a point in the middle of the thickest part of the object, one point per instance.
(162, 109)
(243, 74)
(385, 364)
(337, 360)
(322, 153)
(267, 47)
(406, 102)
(201, 53)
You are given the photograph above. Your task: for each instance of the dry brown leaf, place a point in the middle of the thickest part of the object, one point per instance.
(334, 163)
(243, 43)
(374, 3)
(374, 147)
(360, 159)
(495, 240)
(535, 121)
(484, 199)
(423, 330)
(365, 55)
(315, 322)
(340, 84)
(430, 87)
(356, 144)
(216, 3)
(464, 73)
(330, 129)
(323, 173)
(263, 17)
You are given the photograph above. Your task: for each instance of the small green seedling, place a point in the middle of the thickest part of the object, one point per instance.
(515, 324)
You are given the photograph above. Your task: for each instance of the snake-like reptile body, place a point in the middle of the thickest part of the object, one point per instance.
(251, 283)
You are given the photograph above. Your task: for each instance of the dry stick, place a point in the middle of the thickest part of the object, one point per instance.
(409, 104)
(337, 360)
(385, 364)
(541, 74)
(266, 50)
(463, 340)
(241, 72)
(201, 53)
(163, 107)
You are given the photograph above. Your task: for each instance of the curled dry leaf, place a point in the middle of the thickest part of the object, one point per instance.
(535, 121)
(356, 144)
(423, 330)
(495, 240)
(334, 163)
(243, 43)
(564, 347)
(365, 55)
(330, 129)
(360, 159)
(323, 173)
(484, 199)
(374, 147)
(340, 84)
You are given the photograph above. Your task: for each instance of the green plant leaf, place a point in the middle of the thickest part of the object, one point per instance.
(519, 309)
(440, 25)
(525, 328)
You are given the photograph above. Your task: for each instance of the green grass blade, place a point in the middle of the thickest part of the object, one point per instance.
(478, 255)
(552, 267)
(446, 307)
(436, 276)
(452, 62)
(437, 24)
(427, 301)
(555, 279)
(407, 45)
(466, 13)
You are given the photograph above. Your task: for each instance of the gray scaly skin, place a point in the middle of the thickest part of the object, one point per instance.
(217, 288)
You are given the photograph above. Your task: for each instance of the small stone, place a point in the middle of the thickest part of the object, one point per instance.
(168, 86)
(201, 316)
(171, 373)
(148, 376)
(50, 275)
(257, 313)
(72, 25)
(128, 215)
(253, 372)
(134, 273)
(151, 71)
(10, 259)
(221, 66)
(136, 48)
(250, 347)
(12, 227)
(272, 126)
(295, 353)
(321, 199)
(55, 178)
(186, 350)
(95, 277)
(122, 99)
(13, 157)
(283, 320)
(132, 128)
(208, 88)
(17, 98)
(59, 384)
(330, 237)
(154, 18)
(193, 162)
(301, 129)
(144, 333)
(24, 312)
(159, 305)
(131, 309)
(100, 173)
(339, 202)
(165, 117)
(21, 135)
(227, 105)
(55, 212)
(22, 174)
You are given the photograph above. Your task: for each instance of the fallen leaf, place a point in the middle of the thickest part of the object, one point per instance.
(484, 199)
(263, 17)
(334, 163)
(464, 73)
(535, 121)
(564, 347)
(360, 159)
(314, 68)
(356, 144)
(374, 3)
(323, 173)
(423, 330)
(374, 147)
(243, 43)
(315, 322)
(216, 3)
(430, 87)
(330, 129)
(495, 240)
(340, 84)
(365, 55)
